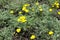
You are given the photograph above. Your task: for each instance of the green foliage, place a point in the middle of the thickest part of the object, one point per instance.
(38, 22)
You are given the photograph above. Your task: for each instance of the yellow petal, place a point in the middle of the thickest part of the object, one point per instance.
(26, 4)
(20, 12)
(50, 32)
(32, 37)
(18, 30)
(12, 11)
(37, 3)
(41, 9)
(26, 10)
(59, 13)
(50, 9)
(57, 6)
(57, 3)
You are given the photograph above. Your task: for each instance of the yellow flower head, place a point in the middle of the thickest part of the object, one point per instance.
(51, 33)
(37, 3)
(50, 9)
(18, 30)
(41, 9)
(25, 9)
(59, 13)
(20, 12)
(53, 5)
(57, 6)
(26, 5)
(32, 37)
(22, 19)
(11, 11)
(57, 3)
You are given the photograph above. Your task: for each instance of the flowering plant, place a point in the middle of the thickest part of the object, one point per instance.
(29, 19)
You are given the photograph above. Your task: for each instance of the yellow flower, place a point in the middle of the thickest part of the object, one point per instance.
(20, 12)
(57, 3)
(59, 13)
(41, 9)
(22, 19)
(50, 9)
(51, 33)
(37, 3)
(25, 9)
(32, 37)
(18, 30)
(53, 5)
(57, 6)
(26, 5)
(11, 11)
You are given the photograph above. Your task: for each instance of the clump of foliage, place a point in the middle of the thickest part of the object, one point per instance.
(29, 19)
